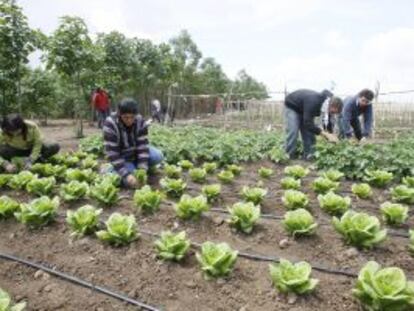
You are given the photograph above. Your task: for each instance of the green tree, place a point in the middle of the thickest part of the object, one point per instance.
(248, 87)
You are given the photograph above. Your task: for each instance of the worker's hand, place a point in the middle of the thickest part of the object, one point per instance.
(27, 164)
(363, 141)
(330, 137)
(131, 181)
(10, 168)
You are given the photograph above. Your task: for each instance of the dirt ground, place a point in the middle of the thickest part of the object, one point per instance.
(136, 271)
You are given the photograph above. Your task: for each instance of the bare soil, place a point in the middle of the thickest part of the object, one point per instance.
(136, 271)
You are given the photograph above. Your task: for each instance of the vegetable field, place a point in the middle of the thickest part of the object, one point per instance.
(227, 224)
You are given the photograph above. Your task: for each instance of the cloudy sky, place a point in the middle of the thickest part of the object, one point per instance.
(298, 43)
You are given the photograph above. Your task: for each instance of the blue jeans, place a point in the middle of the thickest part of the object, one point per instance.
(294, 125)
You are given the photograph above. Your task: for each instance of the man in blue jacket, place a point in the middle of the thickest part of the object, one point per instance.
(301, 108)
(353, 107)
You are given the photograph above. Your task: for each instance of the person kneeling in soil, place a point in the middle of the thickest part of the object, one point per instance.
(22, 138)
(126, 142)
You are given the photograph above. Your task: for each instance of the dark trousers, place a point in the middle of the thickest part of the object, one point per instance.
(7, 152)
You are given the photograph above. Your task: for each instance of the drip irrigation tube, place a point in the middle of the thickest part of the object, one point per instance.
(79, 282)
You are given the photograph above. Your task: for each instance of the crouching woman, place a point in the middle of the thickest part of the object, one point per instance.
(22, 138)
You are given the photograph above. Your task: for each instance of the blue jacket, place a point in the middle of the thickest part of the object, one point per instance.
(350, 118)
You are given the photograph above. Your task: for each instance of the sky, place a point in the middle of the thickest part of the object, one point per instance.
(312, 44)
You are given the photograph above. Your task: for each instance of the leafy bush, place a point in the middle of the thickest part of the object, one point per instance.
(210, 167)
(105, 192)
(244, 216)
(333, 175)
(360, 229)
(84, 220)
(186, 165)
(147, 200)
(173, 187)
(41, 186)
(191, 207)
(19, 181)
(293, 277)
(296, 171)
(265, 173)
(198, 175)
(226, 177)
(362, 191)
(38, 212)
(172, 246)
(74, 190)
(394, 214)
(80, 175)
(403, 194)
(299, 222)
(216, 260)
(120, 230)
(290, 183)
(293, 199)
(384, 289)
(255, 195)
(334, 204)
(172, 171)
(7, 305)
(8, 207)
(235, 169)
(378, 178)
(278, 155)
(324, 185)
(211, 192)
(408, 181)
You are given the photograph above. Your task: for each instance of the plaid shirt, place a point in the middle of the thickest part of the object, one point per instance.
(124, 144)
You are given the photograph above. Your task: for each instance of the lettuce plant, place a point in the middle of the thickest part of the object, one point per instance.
(89, 162)
(403, 194)
(74, 190)
(226, 177)
(38, 212)
(6, 303)
(362, 190)
(47, 169)
(278, 155)
(172, 246)
(408, 181)
(120, 230)
(4, 179)
(172, 171)
(299, 222)
(8, 207)
(378, 178)
(20, 180)
(324, 185)
(191, 207)
(173, 187)
(334, 204)
(142, 176)
(113, 178)
(216, 260)
(41, 186)
(211, 192)
(393, 213)
(84, 220)
(198, 175)
(411, 245)
(265, 173)
(105, 192)
(296, 171)
(186, 164)
(333, 175)
(244, 216)
(210, 167)
(290, 277)
(360, 229)
(147, 200)
(290, 183)
(293, 199)
(384, 289)
(80, 175)
(71, 161)
(255, 195)
(235, 169)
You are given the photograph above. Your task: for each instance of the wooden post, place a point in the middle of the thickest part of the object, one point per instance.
(377, 89)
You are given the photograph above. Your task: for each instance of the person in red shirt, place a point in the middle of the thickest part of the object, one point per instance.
(101, 103)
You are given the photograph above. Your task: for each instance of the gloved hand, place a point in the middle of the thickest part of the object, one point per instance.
(27, 164)
(9, 167)
(131, 181)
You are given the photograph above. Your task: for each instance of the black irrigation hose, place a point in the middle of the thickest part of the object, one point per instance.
(80, 282)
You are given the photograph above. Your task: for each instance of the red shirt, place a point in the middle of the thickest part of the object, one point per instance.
(101, 100)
